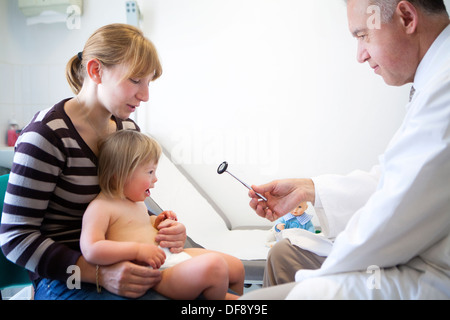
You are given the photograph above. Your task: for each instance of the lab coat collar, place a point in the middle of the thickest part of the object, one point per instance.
(431, 61)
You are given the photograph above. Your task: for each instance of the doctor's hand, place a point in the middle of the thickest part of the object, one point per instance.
(172, 235)
(282, 197)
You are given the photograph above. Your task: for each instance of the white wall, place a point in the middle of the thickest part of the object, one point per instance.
(33, 58)
(271, 86)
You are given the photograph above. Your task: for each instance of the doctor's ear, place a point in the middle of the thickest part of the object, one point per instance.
(94, 70)
(408, 15)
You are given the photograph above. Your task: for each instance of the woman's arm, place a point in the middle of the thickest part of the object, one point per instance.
(38, 162)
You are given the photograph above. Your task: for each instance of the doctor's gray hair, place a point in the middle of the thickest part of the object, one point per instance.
(388, 7)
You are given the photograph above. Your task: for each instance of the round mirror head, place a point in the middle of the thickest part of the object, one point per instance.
(222, 168)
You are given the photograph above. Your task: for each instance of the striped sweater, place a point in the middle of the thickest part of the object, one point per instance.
(52, 181)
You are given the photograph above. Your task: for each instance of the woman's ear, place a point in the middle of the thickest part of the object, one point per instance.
(94, 70)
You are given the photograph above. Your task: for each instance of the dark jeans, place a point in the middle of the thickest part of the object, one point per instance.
(56, 290)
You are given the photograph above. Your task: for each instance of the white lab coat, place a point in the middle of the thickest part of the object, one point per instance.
(392, 225)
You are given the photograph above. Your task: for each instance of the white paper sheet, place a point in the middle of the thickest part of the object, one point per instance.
(307, 240)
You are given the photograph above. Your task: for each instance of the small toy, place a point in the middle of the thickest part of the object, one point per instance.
(295, 219)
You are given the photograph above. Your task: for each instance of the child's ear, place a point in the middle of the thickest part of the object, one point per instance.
(94, 70)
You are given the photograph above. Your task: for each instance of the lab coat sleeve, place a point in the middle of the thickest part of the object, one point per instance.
(408, 213)
(339, 197)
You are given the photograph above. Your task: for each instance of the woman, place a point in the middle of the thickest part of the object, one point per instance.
(54, 174)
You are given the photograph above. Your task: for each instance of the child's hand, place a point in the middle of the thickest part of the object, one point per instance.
(164, 216)
(151, 255)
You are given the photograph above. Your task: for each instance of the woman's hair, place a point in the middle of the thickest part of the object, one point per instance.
(115, 44)
(119, 155)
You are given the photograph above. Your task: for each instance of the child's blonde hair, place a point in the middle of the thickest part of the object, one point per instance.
(115, 44)
(119, 155)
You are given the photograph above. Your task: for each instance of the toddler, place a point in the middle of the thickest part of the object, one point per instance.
(117, 225)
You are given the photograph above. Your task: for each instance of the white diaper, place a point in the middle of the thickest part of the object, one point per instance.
(173, 258)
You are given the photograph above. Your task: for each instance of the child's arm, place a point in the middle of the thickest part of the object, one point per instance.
(97, 250)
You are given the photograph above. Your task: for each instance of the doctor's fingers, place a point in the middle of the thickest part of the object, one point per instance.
(271, 215)
(263, 210)
(258, 206)
(253, 203)
(268, 187)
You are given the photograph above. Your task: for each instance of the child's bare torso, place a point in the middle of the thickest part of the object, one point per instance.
(130, 221)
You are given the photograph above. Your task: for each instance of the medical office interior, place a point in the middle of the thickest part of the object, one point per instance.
(270, 86)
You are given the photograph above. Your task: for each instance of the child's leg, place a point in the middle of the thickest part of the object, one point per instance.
(206, 274)
(236, 271)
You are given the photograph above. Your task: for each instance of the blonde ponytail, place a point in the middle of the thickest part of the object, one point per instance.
(74, 74)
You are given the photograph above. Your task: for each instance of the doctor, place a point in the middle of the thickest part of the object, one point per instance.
(391, 225)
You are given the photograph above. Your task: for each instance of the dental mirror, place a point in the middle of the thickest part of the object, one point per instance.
(223, 168)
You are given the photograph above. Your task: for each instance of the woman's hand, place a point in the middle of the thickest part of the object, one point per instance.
(282, 197)
(172, 235)
(128, 279)
(125, 279)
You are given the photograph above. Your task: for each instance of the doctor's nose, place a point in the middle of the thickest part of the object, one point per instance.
(362, 55)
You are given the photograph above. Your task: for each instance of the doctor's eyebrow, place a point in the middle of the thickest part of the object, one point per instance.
(358, 31)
